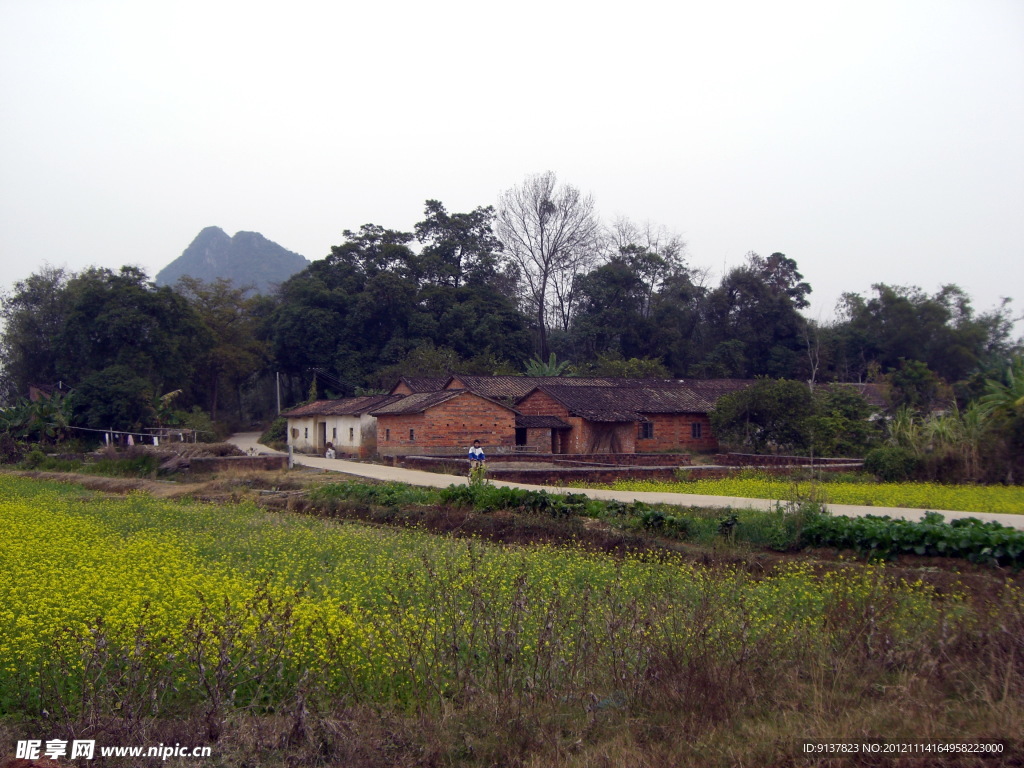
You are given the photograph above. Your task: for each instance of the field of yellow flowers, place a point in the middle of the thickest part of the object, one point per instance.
(934, 496)
(139, 608)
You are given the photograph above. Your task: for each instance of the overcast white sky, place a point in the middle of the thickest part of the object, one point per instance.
(871, 141)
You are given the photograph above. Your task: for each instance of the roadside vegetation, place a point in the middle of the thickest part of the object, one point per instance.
(313, 641)
(792, 526)
(858, 490)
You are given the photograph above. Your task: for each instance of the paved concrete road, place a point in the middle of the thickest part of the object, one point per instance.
(246, 440)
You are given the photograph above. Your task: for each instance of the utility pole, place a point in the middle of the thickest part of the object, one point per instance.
(278, 393)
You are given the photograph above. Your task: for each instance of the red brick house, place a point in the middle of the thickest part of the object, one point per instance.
(621, 419)
(556, 414)
(444, 422)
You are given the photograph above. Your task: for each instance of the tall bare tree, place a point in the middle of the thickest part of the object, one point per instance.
(550, 233)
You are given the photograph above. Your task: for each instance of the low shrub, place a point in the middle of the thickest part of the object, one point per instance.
(891, 464)
(276, 435)
(137, 462)
(11, 451)
(206, 430)
(50, 463)
(33, 459)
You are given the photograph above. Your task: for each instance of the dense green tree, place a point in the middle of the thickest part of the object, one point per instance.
(617, 366)
(373, 301)
(343, 311)
(680, 333)
(841, 423)
(83, 329)
(771, 414)
(34, 314)
(913, 385)
(614, 310)
(620, 303)
(116, 397)
(757, 306)
(900, 322)
(728, 360)
(460, 248)
(236, 351)
(781, 275)
(121, 319)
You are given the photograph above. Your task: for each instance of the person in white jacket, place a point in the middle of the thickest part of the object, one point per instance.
(476, 455)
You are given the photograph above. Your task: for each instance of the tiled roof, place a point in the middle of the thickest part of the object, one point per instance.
(346, 406)
(419, 384)
(420, 402)
(712, 389)
(512, 388)
(627, 403)
(592, 403)
(416, 403)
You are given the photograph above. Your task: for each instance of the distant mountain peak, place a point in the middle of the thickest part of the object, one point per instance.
(248, 258)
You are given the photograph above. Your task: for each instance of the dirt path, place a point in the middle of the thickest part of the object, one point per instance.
(247, 440)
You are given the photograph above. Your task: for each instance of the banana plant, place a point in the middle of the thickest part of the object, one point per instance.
(1005, 399)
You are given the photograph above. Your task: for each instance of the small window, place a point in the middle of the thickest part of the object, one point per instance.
(351, 434)
(412, 435)
(387, 434)
(295, 432)
(306, 435)
(645, 430)
(695, 430)
(334, 433)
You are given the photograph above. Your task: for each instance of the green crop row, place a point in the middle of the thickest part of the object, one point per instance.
(885, 537)
(491, 498)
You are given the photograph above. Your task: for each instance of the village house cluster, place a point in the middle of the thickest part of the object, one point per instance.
(563, 415)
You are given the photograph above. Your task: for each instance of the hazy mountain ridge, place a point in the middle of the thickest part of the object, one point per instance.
(248, 258)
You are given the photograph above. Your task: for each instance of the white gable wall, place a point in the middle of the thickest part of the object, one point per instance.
(351, 435)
